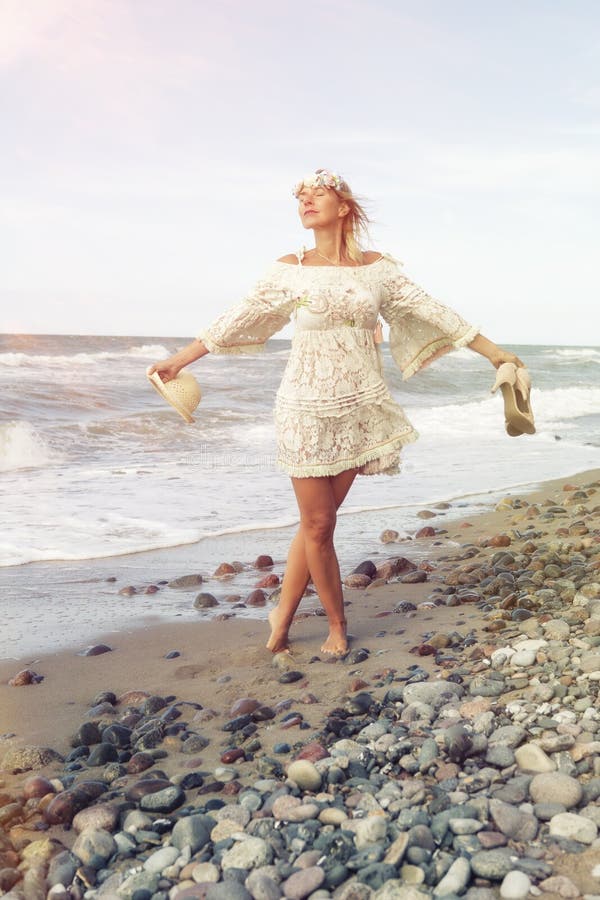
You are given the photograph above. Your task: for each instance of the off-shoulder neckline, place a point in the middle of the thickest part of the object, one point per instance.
(352, 268)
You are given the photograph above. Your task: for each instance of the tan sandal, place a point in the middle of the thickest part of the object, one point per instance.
(515, 385)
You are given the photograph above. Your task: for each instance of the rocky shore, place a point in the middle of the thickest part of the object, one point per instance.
(454, 752)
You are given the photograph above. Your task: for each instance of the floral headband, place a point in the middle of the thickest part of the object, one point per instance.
(321, 178)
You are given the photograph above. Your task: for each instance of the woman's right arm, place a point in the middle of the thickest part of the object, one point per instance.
(169, 368)
(241, 329)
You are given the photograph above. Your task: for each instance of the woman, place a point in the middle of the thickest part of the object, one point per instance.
(334, 415)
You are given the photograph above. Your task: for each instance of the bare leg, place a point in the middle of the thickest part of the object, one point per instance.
(295, 581)
(318, 500)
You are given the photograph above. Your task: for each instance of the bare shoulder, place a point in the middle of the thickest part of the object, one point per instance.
(371, 256)
(290, 258)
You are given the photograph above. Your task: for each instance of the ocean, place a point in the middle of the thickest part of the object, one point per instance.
(95, 467)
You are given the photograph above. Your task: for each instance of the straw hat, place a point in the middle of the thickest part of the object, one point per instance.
(182, 392)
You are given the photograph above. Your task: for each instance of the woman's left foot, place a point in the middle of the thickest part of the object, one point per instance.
(279, 640)
(336, 643)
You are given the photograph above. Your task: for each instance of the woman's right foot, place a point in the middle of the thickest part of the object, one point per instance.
(279, 640)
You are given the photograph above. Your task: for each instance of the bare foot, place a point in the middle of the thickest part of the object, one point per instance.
(337, 642)
(278, 641)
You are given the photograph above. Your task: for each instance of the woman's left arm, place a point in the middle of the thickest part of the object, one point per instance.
(493, 352)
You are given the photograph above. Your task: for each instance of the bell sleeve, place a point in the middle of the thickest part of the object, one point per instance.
(421, 329)
(246, 327)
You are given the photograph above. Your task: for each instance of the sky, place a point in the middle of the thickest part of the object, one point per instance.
(149, 149)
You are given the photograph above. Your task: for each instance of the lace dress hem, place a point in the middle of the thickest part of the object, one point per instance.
(388, 453)
(232, 350)
(437, 348)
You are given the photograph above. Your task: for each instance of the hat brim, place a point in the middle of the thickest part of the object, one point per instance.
(157, 383)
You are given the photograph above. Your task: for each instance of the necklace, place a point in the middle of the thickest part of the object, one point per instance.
(332, 262)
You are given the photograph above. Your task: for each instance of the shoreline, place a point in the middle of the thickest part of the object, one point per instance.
(40, 629)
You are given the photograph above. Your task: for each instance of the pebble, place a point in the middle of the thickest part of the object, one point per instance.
(455, 880)
(251, 853)
(94, 847)
(531, 758)
(192, 831)
(99, 817)
(165, 801)
(160, 859)
(301, 884)
(573, 827)
(556, 787)
(305, 774)
(491, 864)
(515, 886)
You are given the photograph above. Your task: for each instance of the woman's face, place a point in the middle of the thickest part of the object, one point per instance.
(320, 207)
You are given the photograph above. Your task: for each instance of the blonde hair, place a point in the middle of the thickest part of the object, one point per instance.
(355, 231)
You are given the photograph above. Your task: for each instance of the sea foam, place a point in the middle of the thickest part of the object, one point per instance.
(21, 447)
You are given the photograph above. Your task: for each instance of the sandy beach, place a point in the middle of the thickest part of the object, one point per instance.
(394, 626)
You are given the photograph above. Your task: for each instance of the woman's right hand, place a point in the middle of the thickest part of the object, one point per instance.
(167, 369)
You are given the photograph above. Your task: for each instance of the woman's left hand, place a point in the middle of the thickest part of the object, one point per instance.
(505, 356)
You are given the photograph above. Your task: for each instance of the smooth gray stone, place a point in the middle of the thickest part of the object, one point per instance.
(166, 801)
(193, 832)
(160, 859)
(62, 868)
(455, 880)
(482, 686)
(515, 824)
(508, 735)
(499, 755)
(94, 848)
(492, 864)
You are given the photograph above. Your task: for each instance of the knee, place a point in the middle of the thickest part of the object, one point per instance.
(319, 527)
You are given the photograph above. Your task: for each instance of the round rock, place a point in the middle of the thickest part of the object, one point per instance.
(160, 859)
(556, 787)
(101, 817)
(515, 886)
(94, 848)
(305, 774)
(167, 800)
(192, 832)
(303, 883)
(492, 864)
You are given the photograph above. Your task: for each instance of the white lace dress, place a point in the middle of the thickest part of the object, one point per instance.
(333, 409)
